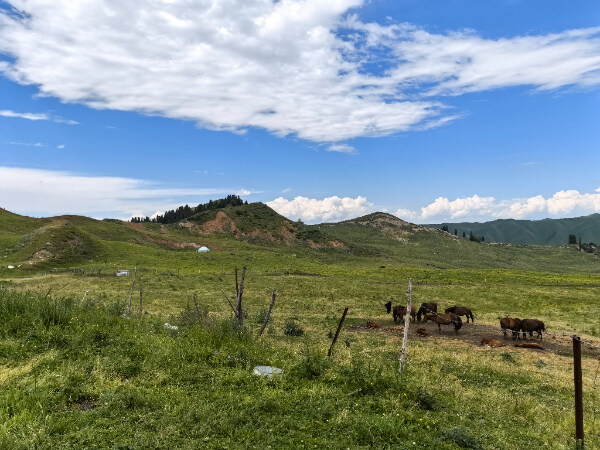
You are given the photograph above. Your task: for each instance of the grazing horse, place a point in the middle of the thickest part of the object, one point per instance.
(444, 319)
(400, 311)
(426, 308)
(531, 325)
(511, 324)
(461, 311)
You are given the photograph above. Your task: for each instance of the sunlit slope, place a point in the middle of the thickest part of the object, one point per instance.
(380, 238)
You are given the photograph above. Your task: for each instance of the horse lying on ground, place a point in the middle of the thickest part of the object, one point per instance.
(444, 319)
(511, 324)
(400, 311)
(426, 308)
(461, 311)
(531, 325)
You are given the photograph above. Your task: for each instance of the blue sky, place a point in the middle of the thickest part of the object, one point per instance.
(433, 111)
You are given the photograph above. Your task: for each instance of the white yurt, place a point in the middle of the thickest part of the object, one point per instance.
(203, 249)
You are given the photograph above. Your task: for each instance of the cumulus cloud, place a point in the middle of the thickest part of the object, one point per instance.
(33, 116)
(329, 209)
(298, 67)
(45, 193)
(561, 204)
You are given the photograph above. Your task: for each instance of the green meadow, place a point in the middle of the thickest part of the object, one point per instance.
(79, 370)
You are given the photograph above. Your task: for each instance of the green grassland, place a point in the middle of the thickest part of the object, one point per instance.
(86, 374)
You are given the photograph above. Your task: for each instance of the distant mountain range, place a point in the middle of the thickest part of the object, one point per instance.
(540, 232)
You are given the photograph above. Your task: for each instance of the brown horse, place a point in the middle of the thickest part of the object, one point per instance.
(531, 325)
(511, 324)
(426, 308)
(400, 311)
(444, 319)
(461, 311)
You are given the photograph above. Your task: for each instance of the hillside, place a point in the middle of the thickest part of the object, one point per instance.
(73, 240)
(533, 232)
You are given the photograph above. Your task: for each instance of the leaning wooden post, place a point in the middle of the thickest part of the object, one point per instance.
(578, 391)
(337, 333)
(240, 292)
(268, 313)
(237, 287)
(406, 324)
(140, 299)
(196, 305)
(131, 291)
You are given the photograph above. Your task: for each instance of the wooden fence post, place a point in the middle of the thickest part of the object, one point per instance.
(578, 391)
(196, 305)
(268, 313)
(240, 292)
(337, 333)
(140, 299)
(131, 291)
(406, 324)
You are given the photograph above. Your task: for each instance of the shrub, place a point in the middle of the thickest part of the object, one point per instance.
(312, 364)
(426, 400)
(292, 328)
(461, 438)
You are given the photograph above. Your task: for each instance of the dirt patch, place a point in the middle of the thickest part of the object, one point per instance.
(474, 334)
(222, 223)
(170, 243)
(328, 244)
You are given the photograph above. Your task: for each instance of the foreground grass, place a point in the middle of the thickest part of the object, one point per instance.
(84, 375)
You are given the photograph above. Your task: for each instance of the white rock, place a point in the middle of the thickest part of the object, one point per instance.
(267, 371)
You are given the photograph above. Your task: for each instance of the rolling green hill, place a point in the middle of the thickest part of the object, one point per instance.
(72, 240)
(536, 232)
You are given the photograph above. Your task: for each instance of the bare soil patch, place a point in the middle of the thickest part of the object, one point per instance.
(474, 334)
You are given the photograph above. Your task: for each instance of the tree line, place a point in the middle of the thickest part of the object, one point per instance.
(183, 212)
(588, 247)
(472, 237)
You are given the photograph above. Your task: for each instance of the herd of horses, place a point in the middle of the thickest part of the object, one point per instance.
(452, 316)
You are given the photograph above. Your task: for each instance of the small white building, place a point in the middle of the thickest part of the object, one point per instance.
(122, 273)
(203, 249)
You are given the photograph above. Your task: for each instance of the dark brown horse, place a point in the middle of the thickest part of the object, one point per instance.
(511, 324)
(426, 308)
(461, 311)
(400, 311)
(531, 325)
(444, 319)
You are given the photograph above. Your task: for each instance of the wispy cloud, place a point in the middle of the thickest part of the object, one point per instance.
(35, 116)
(342, 148)
(561, 204)
(289, 67)
(27, 144)
(61, 146)
(28, 116)
(328, 209)
(45, 192)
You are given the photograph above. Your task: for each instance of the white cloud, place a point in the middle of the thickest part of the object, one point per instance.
(342, 148)
(33, 116)
(329, 209)
(291, 66)
(61, 146)
(561, 204)
(460, 207)
(28, 116)
(27, 144)
(45, 193)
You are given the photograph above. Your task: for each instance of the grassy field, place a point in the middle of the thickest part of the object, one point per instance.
(83, 373)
